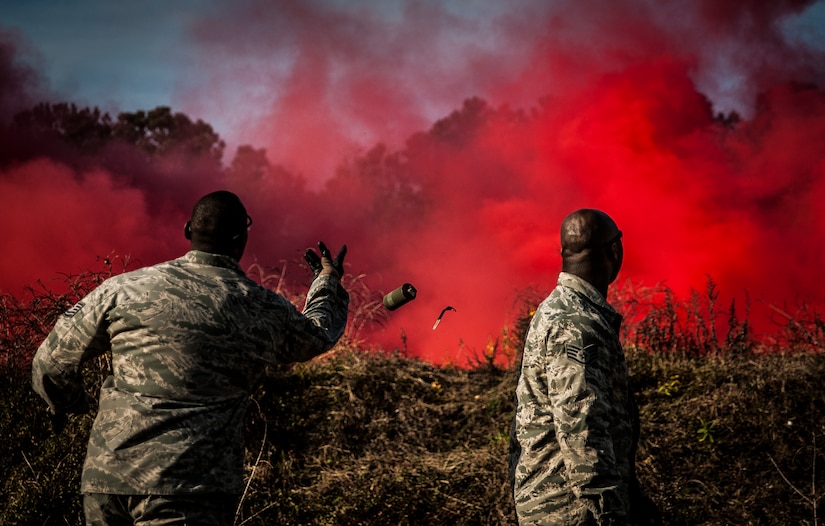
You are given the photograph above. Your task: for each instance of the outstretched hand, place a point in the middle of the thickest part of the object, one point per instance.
(325, 264)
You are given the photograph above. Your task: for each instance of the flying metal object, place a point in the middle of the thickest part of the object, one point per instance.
(400, 296)
(438, 320)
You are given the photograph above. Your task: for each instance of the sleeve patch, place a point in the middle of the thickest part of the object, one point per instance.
(579, 354)
(74, 310)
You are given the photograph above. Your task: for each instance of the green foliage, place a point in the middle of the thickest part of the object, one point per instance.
(707, 430)
(670, 387)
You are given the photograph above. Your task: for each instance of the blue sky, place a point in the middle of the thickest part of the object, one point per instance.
(124, 55)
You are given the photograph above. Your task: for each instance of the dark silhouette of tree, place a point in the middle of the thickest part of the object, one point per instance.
(275, 187)
(176, 149)
(87, 129)
(161, 132)
(158, 132)
(251, 165)
(383, 180)
(459, 127)
(251, 168)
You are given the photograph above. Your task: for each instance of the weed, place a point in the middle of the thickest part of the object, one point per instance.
(707, 430)
(500, 437)
(670, 387)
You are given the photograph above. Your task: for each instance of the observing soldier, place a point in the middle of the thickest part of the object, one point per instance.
(189, 339)
(576, 425)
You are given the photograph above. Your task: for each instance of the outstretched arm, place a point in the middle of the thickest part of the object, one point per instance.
(324, 318)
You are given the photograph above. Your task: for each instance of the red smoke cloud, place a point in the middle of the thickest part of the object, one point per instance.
(607, 105)
(64, 219)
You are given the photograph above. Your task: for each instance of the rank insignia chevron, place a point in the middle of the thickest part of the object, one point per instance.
(578, 354)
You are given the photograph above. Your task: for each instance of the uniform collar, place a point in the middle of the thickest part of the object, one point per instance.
(589, 291)
(216, 260)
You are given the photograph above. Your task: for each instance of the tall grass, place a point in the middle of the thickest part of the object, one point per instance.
(730, 430)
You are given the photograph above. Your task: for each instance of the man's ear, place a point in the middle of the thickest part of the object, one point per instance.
(614, 252)
(187, 230)
(617, 255)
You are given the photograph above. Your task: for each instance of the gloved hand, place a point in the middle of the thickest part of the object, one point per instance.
(325, 265)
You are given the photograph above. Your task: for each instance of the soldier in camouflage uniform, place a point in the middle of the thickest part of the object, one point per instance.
(576, 425)
(189, 339)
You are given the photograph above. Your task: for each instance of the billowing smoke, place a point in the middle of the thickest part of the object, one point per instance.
(444, 148)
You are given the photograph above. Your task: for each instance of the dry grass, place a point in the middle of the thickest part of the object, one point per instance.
(364, 437)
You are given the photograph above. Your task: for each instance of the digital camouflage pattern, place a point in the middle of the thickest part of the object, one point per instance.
(189, 339)
(203, 509)
(575, 425)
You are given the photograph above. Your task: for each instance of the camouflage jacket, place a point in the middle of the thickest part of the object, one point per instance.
(188, 339)
(575, 425)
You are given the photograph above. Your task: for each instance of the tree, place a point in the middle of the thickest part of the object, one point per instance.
(161, 132)
(460, 126)
(87, 129)
(251, 166)
(382, 182)
(158, 132)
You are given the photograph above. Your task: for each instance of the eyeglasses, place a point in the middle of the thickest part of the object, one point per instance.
(614, 239)
(248, 226)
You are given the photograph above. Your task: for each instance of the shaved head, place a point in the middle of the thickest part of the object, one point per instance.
(584, 230)
(591, 247)
(218, 224)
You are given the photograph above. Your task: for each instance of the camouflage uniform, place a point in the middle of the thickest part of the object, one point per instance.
(575, 425)
(203, 509)
(189, 339)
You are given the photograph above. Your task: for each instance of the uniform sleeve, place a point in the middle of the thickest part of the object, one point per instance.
(580, 391)
(78, 336)
(321, 324)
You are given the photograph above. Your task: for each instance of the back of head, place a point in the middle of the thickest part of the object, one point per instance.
(218, 224)
(587, 246)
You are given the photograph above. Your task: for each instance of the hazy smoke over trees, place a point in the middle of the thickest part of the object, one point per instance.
(611, 109)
